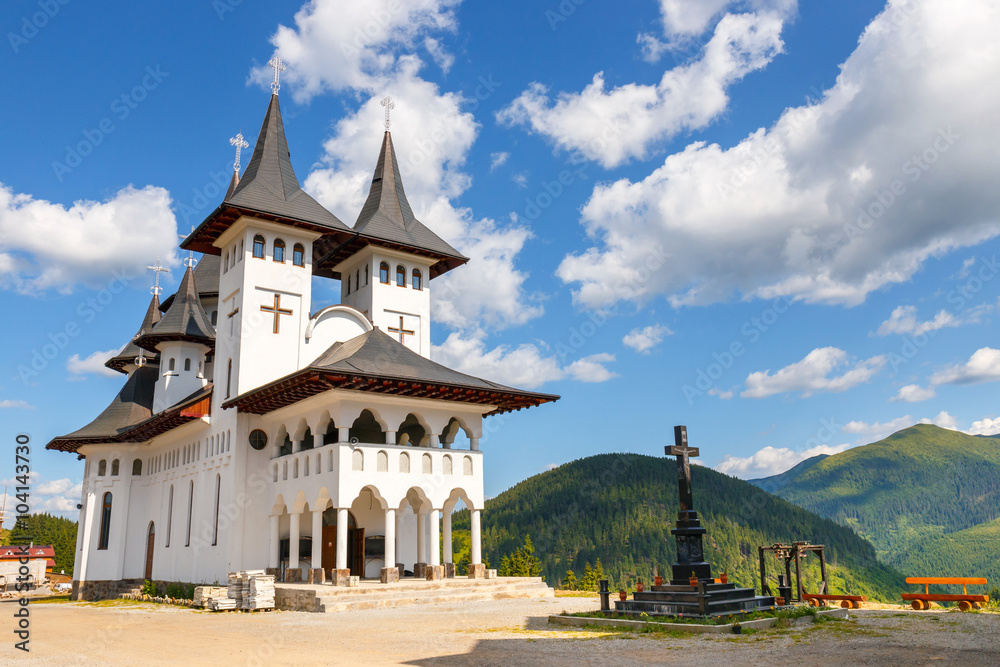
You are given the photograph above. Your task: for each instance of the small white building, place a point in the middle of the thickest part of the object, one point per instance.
(258, 429)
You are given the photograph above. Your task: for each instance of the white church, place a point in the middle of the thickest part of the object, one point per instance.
(259, 429)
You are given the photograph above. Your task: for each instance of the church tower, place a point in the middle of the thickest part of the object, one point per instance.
(388, 277)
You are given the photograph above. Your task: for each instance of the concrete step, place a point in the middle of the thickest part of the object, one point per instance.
(390, 594)
(386, 602)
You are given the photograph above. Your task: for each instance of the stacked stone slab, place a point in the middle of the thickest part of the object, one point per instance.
(235, 590)
(204, 594)
(259, 593)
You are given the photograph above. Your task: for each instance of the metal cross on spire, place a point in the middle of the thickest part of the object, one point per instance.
(278, 66)
(240, 144)
(191, 261)
(156, 290)
(389, 106)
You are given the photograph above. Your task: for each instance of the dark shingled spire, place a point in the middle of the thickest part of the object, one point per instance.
(269, 184)
(185, 320)
(133, 404)
(233, 182)
(206, 276)
(131, 350)
(387, 215)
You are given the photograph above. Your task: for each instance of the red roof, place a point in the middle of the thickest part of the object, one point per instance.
(14, 552)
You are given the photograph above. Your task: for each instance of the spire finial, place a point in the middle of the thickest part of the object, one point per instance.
(140, 361)
(191, 261)
(389, 106)
(278, 66)
(156, 290)
(240, 144)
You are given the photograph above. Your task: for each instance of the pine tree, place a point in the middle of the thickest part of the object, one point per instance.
(570, 582)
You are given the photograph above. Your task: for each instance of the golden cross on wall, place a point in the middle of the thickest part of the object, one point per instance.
(401, 331)
(276, 310)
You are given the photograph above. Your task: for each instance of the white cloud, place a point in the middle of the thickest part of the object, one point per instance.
(99, 243)
(614, 126)
(644, 339)
(336, 45)
(772, 460)
(914, 393)
(93, 364)
(498, 160)
(551, 466)
(780, 214)
(877, 430)
(985, 426)
(812, 375)
(15, 404)
(724, 395)
(903, 320)
(441, 57)
(525, 365)
(54, 487)
(521, 179)
(58, 505)
(982, 366)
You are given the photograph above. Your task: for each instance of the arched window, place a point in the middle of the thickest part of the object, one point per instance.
(187, 363)
(258, 246)
(114, 468)
(357, 280)
(137, 467)
(404, 462)
(400, 276)
(348, 284)
(215, 317)
(417, 283)
(172, 365)
(229, 378)
(299, 255)
(215, 529)
(383, 462)
(102, 468)
(358, 460)
(447, 466)
(383, 273)
(467, 465)
(105, 522)
(366, 275)
(239, 257)
(279, 251)
(428, 464)
(187, 539)
(170, 512)
(225, 266)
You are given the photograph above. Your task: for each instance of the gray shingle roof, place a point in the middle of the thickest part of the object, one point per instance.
(387, 215)
(131, 350)
(206, 276)
(185, 320)
(269, 183)
(132, 405)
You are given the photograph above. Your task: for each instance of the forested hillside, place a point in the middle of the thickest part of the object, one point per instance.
(619, 508)
(924, 496)
(47, 529)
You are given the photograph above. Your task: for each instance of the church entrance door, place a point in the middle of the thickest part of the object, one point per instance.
(150, 545)
(355, 545)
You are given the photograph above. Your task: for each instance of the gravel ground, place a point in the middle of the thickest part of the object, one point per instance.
(507, 632)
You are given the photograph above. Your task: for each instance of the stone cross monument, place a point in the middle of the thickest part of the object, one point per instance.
(688, 531)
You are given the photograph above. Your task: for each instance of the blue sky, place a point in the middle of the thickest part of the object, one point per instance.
(773, 222)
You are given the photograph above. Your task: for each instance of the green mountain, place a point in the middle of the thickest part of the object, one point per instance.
(923, 496)
(775, 482)
(619, 509)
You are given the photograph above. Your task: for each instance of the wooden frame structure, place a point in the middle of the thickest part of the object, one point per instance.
(790, 553)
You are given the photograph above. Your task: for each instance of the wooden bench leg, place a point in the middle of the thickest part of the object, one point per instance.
(917, 605)
(965, 605)
(977, 605)
(846, 604)
(855, 604)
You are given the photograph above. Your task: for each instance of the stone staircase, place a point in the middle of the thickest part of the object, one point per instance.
(370, 595)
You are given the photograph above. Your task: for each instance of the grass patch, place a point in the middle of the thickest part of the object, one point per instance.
(575, 594)
(55, 599)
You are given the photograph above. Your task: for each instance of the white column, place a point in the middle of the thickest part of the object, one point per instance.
(390, 538)
(317, 540)
(435, 541)
(449, 555)
(342, 538)
(293, 542)
(421, 535)
(274, 560)
(476, 554)
(318, 440)
(474, 444)
(345, 434)
(435, 441)
(296, 446)
(390, 438)
(398, 548)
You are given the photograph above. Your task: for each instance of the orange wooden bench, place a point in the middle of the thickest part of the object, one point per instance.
(846, 601)
(966, 601)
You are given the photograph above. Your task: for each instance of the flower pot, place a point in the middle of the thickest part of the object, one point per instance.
(622, 595)
(658, 581)
(693, 581)
(724, 578)
(639, 587)
(780, 602)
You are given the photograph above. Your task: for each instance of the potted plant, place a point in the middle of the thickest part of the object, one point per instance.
(724, 578)
(622, 594)
(639, 586)
(694, 579)
(657, 579)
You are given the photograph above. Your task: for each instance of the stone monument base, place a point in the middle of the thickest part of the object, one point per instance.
(390, 575)
(419, 570)
(317, 575)
(340, 577)
(704, 600)
(449, 570)
(435, 572)
(477, 571)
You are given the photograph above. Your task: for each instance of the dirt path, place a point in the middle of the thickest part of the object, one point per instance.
(509, 632)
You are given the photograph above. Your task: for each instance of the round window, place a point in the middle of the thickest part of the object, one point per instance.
(258, 439)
